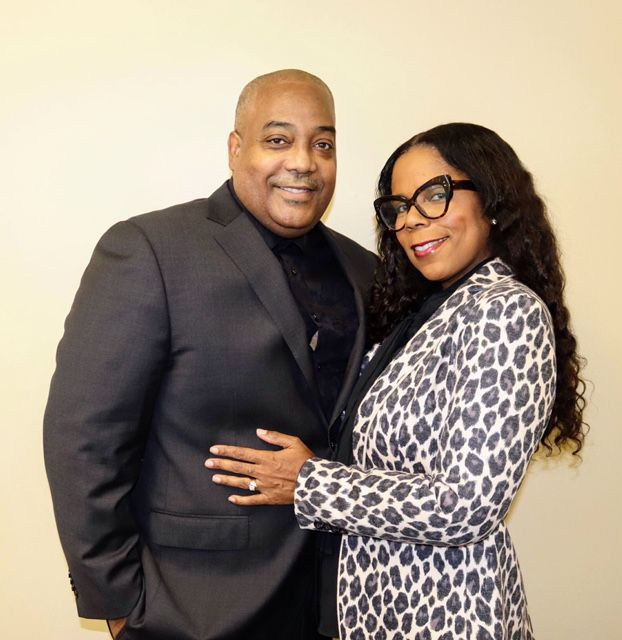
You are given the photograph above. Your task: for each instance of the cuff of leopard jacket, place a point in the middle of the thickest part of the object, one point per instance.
(309, 500)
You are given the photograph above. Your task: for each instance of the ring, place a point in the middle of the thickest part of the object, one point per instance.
(252, 485)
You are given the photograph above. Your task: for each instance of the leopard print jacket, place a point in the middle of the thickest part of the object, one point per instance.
(441, 444)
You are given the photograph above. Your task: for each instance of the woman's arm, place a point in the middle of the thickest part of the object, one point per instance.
(503, 394)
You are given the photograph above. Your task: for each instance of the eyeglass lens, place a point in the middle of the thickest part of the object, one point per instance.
(431, 201)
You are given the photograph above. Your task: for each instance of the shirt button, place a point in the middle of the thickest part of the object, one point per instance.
(294, 271)
(315, 317)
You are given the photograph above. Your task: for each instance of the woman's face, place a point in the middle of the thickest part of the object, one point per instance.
(444, 249)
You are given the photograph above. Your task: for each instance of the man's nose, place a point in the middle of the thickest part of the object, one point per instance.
(300, 159)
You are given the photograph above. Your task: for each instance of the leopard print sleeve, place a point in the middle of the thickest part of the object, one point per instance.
(444, 467)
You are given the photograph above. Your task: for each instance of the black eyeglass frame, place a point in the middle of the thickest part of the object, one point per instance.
(446, 181)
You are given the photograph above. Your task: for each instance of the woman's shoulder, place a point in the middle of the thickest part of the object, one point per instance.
(495, 280)
(496, 295)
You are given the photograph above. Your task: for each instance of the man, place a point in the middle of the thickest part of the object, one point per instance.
(196, 325)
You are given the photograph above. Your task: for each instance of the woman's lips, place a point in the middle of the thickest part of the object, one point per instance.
(423, 249)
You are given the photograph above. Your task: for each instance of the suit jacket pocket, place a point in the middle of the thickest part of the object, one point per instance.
(186, 531)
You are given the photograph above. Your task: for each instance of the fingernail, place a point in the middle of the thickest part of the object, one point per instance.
(209, 463)
(216, 479)
(232, 499)
(261, 432)
(214, 450)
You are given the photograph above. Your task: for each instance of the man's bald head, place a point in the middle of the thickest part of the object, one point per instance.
(282, 154)
(270, 81)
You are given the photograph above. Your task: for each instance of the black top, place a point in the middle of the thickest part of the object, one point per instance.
(324, 298)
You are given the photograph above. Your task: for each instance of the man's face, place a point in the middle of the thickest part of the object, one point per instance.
(283, 157)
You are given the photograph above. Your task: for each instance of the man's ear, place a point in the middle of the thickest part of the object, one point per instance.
(233, 144)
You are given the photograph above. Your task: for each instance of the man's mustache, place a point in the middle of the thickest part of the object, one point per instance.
(305, 183)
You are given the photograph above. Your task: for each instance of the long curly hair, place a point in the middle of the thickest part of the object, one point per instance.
(522, 237)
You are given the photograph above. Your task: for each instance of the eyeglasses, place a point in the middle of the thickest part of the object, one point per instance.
(431, 200)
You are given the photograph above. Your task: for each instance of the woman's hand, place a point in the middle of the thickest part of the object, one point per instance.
(274, 472)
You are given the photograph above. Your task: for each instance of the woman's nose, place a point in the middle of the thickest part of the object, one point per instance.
(413, 218)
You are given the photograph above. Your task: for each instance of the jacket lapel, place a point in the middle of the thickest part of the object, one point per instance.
(487, 275)
(246, 248)
(490, 273)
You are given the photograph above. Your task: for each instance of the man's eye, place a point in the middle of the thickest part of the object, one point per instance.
(324, 145)
(276, 142)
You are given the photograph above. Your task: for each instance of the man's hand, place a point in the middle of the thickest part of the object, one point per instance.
(116, 626)
(274, 472)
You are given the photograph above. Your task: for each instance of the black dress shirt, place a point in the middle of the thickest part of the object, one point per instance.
(325, 300)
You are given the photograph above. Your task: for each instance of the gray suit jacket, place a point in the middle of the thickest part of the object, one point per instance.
(183, 334)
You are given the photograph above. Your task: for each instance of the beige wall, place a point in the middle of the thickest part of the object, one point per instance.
(111, 109)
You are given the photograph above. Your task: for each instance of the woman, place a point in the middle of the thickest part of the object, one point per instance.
(477, 366)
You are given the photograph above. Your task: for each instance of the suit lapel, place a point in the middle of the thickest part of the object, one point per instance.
(246, 248)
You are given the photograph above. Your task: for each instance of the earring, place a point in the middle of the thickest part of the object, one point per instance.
(493, 222)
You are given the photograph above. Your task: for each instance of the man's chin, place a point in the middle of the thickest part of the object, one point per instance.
(291, 226)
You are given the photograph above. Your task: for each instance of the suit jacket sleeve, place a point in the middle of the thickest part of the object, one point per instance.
(108, 365)
(476, 480)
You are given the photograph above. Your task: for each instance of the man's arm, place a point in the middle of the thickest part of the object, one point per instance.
(108, 366)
